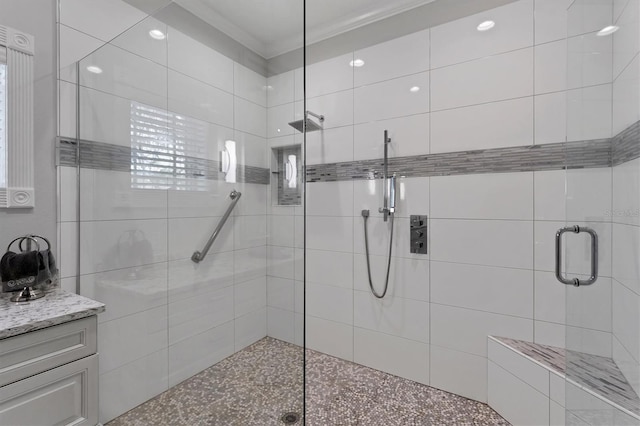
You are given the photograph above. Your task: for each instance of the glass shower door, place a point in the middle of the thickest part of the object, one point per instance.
(601, 210)
(175, 141)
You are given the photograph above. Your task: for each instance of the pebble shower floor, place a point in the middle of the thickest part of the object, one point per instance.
(260, 384)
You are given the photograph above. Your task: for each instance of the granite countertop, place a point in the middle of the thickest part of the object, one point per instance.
(56, 307)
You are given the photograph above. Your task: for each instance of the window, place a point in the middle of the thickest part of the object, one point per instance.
(3, 125)
(168, 150)
(17, 169)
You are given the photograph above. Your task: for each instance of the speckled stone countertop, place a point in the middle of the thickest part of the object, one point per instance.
(56, 307)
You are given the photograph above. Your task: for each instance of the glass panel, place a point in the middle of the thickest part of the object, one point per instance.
(602, 322)
(173, 133)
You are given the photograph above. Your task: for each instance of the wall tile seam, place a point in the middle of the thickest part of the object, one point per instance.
(624, 68)
(626, 287)
(531, 318)
(169, 68)
(165, 107)
(636, 358)
(396, 336)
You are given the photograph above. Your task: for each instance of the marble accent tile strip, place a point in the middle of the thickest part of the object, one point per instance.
(104, 156)
(626, 145)
(568, 155)
(582, 154)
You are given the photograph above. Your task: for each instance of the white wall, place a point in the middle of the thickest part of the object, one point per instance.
(490, 262)
(167, 318)
(41, 219)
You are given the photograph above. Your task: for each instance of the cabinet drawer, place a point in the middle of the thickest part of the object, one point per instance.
(66, 395)
(32, 353)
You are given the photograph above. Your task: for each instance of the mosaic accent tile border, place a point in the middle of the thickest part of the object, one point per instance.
(559, 156)
(568, 155)
(584, 154)
(597, 373)
(104, 156)
(626, 145)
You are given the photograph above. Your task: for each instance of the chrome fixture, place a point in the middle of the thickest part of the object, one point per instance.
(594, 255)
(388, 210)
(308, 124)
(199, 256)
(418, 233)
(389, 189)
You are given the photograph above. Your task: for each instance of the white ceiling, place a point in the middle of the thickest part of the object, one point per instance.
(273, 27)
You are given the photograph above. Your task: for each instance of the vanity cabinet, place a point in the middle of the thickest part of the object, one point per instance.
(50, 376)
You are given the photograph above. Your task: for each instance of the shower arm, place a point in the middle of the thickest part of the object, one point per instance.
(389, 185)
(318, 116)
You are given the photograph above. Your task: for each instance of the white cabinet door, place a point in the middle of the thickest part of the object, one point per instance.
(67, 395)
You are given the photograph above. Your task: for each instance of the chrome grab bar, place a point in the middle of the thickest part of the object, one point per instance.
(198, 256)
(594, 255)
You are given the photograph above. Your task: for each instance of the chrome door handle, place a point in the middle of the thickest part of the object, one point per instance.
(594, 255)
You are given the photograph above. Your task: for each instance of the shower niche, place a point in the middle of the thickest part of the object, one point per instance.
(286, 175)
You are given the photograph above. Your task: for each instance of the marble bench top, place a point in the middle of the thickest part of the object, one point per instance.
(56, 307)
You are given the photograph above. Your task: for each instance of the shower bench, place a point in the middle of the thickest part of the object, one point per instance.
(528, 385)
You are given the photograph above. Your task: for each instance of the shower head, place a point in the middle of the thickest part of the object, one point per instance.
(308, 123)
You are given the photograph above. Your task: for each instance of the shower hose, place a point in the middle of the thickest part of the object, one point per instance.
(365, 215)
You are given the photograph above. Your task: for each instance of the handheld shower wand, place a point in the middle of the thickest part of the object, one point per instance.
(388, 210)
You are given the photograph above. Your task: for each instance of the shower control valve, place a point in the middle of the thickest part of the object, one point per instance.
(418, 234)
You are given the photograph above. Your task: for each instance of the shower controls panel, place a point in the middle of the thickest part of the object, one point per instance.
(418, 234)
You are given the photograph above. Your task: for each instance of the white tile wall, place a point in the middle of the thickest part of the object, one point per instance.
(409, 136)
(459, 372)
(133, 384)
(500, 290)
(551, 66)
(102, 20)
(550, 20)
(401, 56)
(401, 357)
(483, 242)
(467, 329)
(487, 196)
(396, 316)
(506, 392)
(626, 41)
(589, 60)
(589, 113)
(392, 98)
(475, 127)
(550, 118)
(460, 41)
(333, 75)
(494, 78)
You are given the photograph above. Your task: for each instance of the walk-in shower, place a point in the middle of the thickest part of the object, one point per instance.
(356, 282)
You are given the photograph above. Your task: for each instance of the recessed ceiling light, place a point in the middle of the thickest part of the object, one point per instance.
(157, 34)
(486, 25)
(610, 29)
(414, 89)
(356, 63)
(94, 69)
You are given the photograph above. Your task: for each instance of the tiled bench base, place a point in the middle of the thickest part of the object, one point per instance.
(527, 386)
